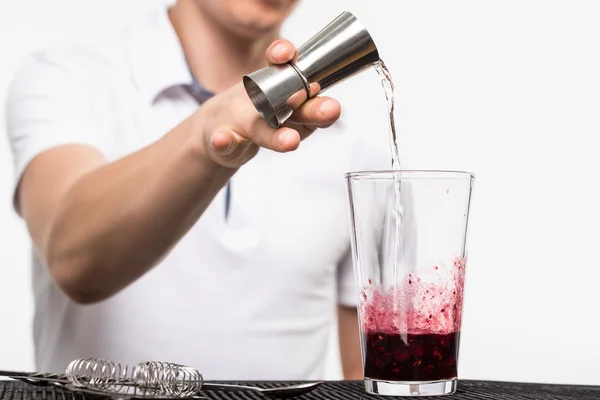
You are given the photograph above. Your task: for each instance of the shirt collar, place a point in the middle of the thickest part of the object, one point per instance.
(156, 57)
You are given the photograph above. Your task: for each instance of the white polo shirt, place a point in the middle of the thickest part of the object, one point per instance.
(248, 297)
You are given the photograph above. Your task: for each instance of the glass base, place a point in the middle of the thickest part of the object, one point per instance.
(391, 388)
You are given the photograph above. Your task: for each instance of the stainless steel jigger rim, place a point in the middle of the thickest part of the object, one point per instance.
(275, 108)
(341, 49)
(304, 80)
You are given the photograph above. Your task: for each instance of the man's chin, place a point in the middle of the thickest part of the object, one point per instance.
(258, 30)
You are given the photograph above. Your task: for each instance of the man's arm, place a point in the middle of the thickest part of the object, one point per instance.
(99, 226)
(349, 340)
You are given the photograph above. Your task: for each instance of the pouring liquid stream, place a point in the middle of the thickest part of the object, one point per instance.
(388, 88)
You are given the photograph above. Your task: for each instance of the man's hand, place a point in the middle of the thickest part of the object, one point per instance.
(234, 131)
(100, 225)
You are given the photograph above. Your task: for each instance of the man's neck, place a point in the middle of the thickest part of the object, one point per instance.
(217, 57)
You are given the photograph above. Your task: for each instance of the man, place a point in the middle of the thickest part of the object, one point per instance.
(160, 230)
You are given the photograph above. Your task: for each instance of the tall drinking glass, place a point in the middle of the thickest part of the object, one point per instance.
(409, 233)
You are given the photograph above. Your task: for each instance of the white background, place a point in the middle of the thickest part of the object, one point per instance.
(508, 89)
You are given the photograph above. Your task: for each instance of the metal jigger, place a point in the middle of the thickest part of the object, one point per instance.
(340, 50)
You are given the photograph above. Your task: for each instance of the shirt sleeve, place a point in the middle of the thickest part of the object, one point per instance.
(47, 106)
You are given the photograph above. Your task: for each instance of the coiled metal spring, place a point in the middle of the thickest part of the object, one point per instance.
(173, 380)
(151, 379)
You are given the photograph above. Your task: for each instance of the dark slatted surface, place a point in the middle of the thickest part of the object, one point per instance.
(467, 390)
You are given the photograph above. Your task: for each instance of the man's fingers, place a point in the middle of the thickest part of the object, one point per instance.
(315, 89)
(303, 130)
(320, 111)
(280, 52)
(222, 142)
(281, 140)
(225, 143)
(228, 143)
(297, 99)
(287, 139)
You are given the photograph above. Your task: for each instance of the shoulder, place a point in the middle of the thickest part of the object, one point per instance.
(53, 95)
(72, 68)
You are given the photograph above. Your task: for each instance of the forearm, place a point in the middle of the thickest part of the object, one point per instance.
(118, 221)
(349, 339)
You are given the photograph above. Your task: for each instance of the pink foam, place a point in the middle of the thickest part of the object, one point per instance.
(426, 302)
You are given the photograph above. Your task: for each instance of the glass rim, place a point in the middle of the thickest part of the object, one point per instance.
(411, 174)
